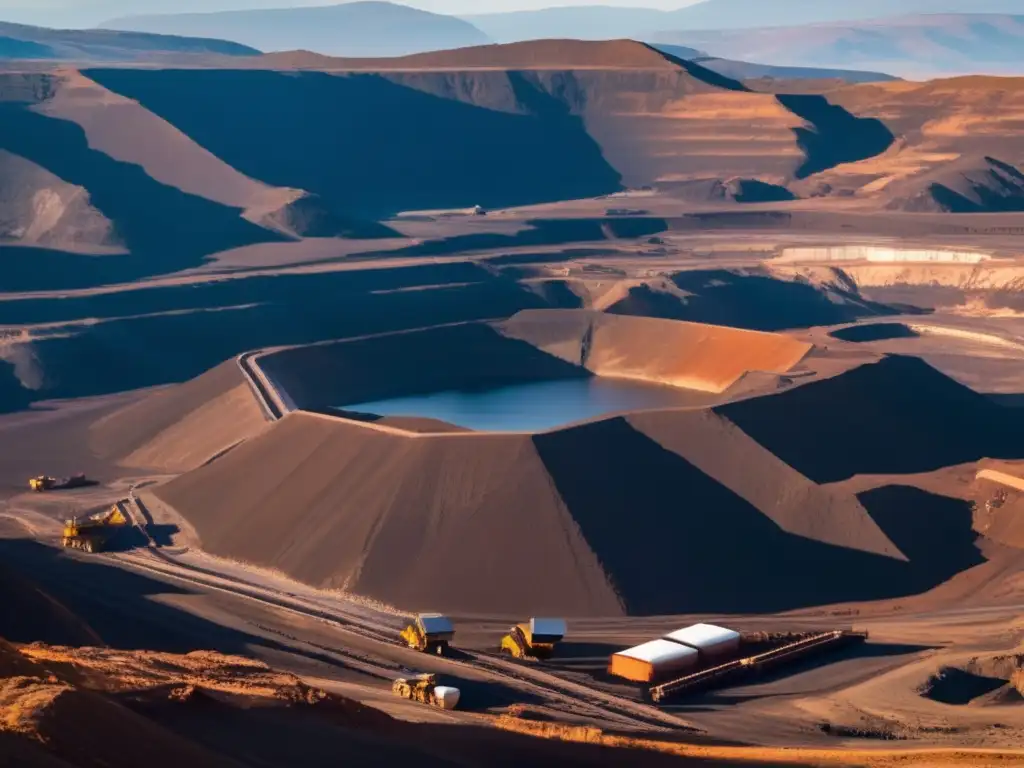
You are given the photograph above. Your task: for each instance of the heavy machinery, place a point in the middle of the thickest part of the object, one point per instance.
(430, 633)
(93, 533)
(47, 483)
(535, 639)
(424, 689)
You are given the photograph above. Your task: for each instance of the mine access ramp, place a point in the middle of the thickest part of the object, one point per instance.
(753, 665)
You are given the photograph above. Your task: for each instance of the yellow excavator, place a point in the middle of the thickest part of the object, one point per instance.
(534, 639)
(42, 483)
(424, 689)
(91, 534)
(430, 633)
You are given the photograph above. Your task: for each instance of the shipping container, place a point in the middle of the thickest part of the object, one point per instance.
(712, 642)
(653, 660)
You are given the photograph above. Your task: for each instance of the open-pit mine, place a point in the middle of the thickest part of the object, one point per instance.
(516, 405)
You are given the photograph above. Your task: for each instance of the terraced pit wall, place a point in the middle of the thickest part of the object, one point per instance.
(534, 345)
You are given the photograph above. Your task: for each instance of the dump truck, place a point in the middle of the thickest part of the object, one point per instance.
(46, 483)
(535, 639)
(424, 689)
(430, 633)
(94, 532)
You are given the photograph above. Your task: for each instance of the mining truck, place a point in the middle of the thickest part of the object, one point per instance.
(47, 483)
(424, 689)
(535, 639)
(93, 533)
(430, 633)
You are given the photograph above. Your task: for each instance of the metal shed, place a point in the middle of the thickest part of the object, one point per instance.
(711, 641)
(652, 660)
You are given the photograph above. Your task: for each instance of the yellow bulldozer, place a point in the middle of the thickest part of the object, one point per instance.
(42, 483)
(533, 639)
(430, 633)
(424, 689)
(93, 533)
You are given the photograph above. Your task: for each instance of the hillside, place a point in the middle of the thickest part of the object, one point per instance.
(968, 185)
(555, 500)
(350, 29)
(464, 494)
(957, 150)
(69, 706)
(26, 42)
(88, 171)
(913, 46)
(556, 54)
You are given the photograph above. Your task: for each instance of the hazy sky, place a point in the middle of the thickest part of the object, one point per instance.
(441, 6)
(487, 6)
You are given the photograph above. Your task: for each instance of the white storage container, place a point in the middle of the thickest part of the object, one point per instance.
(653, 660)
(712, 642)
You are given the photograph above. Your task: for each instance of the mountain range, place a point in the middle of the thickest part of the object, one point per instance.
(350, 29)
(789, 33)
(23, 42)
(602, 22)
(923, 45)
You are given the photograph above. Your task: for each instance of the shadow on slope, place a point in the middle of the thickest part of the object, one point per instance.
(835, 135)
(180, 427)
(372, 145)
(988, 186)
(165, 229)
(875, 332)
(465, 357)
(959, 686)
(538, 232)
(674, 540)
(227, 318)
(700, 72)
(91, 603)
(13, 394)
(12, 48)
(747, 299)
(896, 416)
(934, 532)
(290, 288)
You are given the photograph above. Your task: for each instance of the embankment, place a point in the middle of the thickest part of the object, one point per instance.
(197, 326)
(896, 416)
(626, 515)
(178, 428)
(697, 356)
(533, 345)
(654, 512)
(755, 298)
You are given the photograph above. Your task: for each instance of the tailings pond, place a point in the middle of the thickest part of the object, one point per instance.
(533, 407)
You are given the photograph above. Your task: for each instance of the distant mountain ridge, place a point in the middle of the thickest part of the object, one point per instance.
(601, 22)
(366, 28)
(19, 41)
(921, 45)
(745, 70)
(750, 14)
